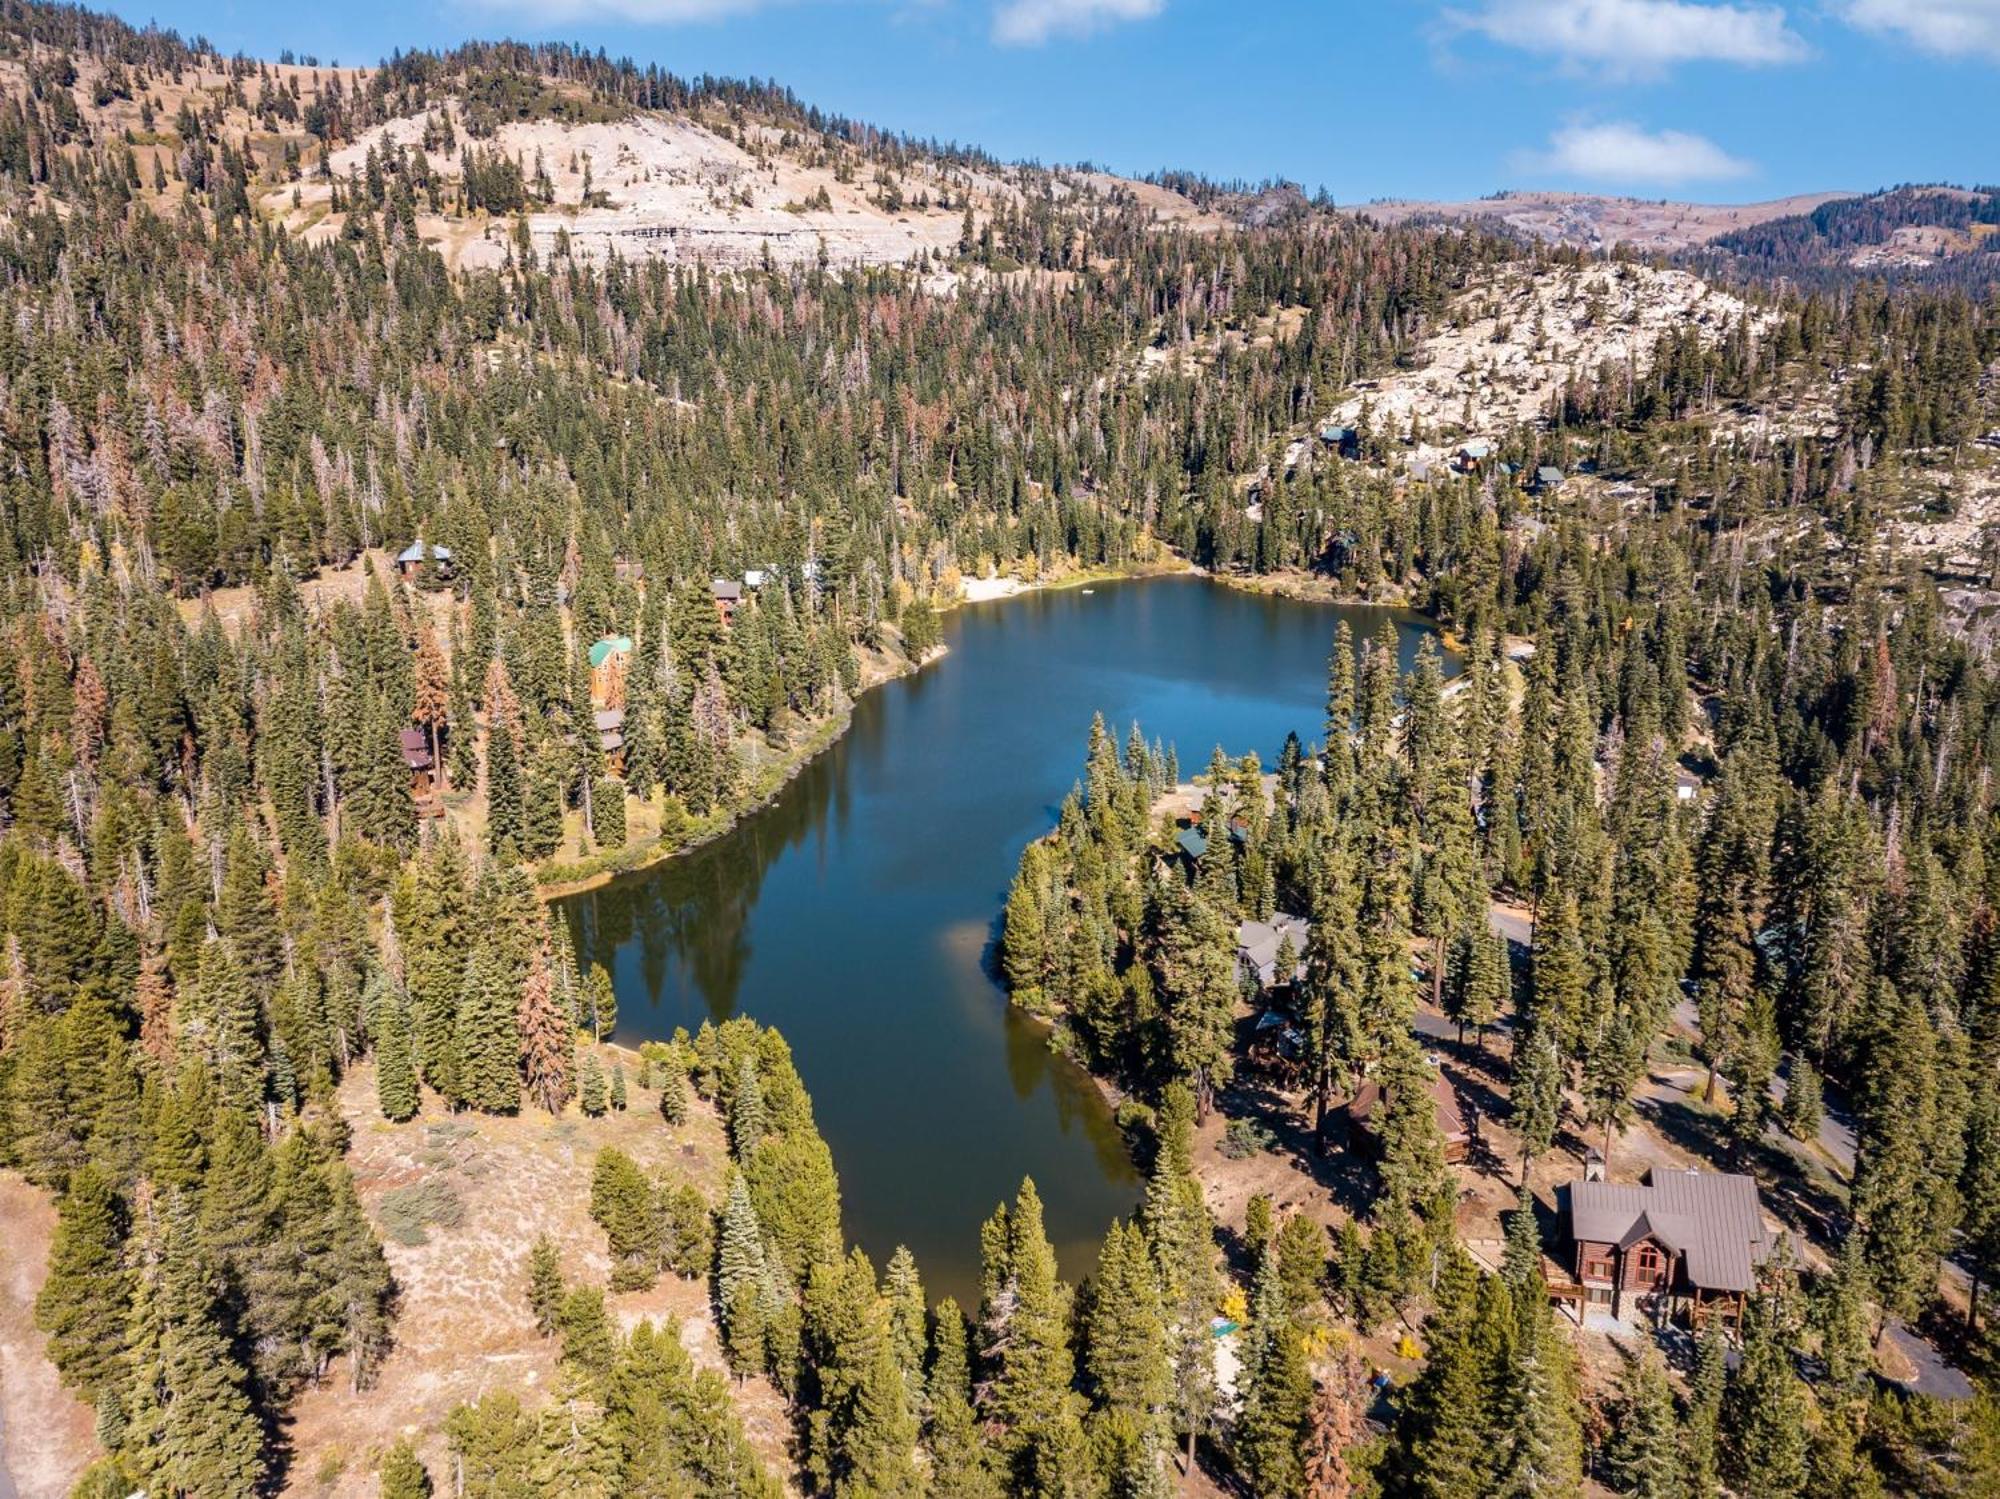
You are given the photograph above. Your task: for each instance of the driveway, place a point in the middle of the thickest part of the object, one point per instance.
(1511, 922)
(1934, 1376)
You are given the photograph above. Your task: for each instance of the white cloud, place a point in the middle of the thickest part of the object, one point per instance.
(1618, 152)
(1639, 36)
(1029, 23)
(1949, 28)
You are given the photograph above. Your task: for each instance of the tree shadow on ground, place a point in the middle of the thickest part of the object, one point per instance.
(1815, 1210)
(1345, 1174)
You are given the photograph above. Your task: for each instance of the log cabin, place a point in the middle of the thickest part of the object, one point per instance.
(1682, 1243)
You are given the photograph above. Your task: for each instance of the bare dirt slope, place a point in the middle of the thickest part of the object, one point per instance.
(463, 1327)
(1599, 222)
(665, 186)
(706, 184)
(45, 1433)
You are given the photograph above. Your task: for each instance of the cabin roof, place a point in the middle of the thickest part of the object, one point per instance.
(726, 589)
(1451, 1119)
(1257, 944)
(1191, 842)
(414, 552)
(416, 749)
(1712, 1219)
(609, 646)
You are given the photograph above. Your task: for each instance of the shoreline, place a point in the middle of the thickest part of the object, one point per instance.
(1302, 587)
(824, 736)
(829, 732)
(994, 590)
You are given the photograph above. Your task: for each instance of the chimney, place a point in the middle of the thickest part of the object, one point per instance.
(1593, 1165)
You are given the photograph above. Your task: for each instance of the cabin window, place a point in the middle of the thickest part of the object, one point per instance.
(1649, 1262)
(1597, 1267)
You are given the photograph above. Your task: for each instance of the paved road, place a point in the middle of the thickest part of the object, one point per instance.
(1836, 1125)
(1509, 922)
(1934, 1376)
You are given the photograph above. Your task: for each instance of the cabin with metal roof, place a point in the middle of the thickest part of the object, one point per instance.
(1258, 944)
(728, 594)
(1365, 1109)
(608, 659)
(1343, 440)
(1680, 1242)
(410, 560)
(610, 723)
(422, 767)
(1471, 454)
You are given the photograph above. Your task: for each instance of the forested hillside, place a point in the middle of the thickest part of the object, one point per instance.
(1942, 233)
(276, 803)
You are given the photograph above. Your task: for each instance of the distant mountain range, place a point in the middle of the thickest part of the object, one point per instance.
(1909, 229)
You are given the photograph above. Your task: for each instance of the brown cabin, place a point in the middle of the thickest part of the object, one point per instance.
(418, 762)
(1681, 1242)
(728, 594)
(611, 738)
(1365, 1106)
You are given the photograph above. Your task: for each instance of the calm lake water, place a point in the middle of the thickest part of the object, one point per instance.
(857, 911)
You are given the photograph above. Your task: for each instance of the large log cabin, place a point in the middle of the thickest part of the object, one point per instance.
(1682, 1244)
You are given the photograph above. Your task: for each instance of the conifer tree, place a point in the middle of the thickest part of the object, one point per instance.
(600, 1003)
(404, 1475)
(1545, 1455)
(1035, 1366)
(1271, 1433)
(1765, 1412)
(85, 1301)
(1412, 1166)
(192, 1429)
(1181, 1235)
(488, 1039)
(903, 1289)
(748, 1120)
(593, 1093)
(545, 1284)
(621, 1203)
(739, 1273)
(670, 1076)
(396, 1092)
(229, 1009)
(1129, 1359)
(1536, 1101)
(960, 1466)
(1701, 1446)
(1645, 1446)
(547, 1044)
(1333, 1426)
(506, 823)
(1445, 1440)
(588, 1340)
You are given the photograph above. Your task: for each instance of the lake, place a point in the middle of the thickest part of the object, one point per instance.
(856, 912)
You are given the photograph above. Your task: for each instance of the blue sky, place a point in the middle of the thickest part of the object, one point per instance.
(1369, 98)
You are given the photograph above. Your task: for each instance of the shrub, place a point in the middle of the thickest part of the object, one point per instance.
(409, 1212)
(1244, 1138)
